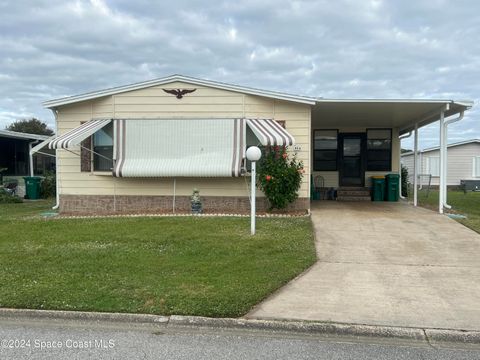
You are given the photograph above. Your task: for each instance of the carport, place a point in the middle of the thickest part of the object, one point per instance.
(406, 115)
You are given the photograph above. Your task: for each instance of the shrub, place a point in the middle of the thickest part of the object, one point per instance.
(404, 181)
(6, 198)
(48, 187)
(279, 176)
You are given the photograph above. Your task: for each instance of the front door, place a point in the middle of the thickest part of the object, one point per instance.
(352, 159)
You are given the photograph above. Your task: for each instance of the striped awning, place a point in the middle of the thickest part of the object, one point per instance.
(76, 136)
(269, 132)
(179, 147)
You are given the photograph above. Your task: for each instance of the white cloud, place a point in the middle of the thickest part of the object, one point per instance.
(347, 48)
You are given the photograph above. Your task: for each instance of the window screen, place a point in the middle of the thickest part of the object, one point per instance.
(103, 149)
(379, 150)
(325, 143)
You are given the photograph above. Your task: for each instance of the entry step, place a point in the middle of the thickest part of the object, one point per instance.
(350, 193)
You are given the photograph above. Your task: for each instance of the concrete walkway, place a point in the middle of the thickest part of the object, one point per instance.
(385, 264)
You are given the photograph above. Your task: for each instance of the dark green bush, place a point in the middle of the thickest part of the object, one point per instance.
(48, 187)
(6, 198)
(404, 181)
(279, 177)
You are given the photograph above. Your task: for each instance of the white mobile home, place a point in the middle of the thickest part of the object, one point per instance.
(463, 163)
(146, 146)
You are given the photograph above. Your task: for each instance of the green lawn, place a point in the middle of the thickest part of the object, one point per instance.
(467, 204)
(185, 265)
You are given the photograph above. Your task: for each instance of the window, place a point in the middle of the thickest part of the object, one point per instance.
(103, 149)
(433, 165)
(476, 166)
(325, 144)
(379, 150)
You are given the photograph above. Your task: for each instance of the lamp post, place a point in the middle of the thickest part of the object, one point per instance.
(253, 154)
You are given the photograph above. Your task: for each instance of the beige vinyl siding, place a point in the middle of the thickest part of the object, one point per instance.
(153, 102)
(460, 163)
(331, 178)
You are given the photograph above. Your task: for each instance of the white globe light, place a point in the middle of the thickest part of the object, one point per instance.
(254, 153)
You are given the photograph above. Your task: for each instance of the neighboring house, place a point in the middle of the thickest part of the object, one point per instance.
(463, 163)
(146, 146)
(15, 158)
(15, 161)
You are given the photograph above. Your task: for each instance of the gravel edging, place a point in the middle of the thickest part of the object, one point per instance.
(305, 327)
(177, 215)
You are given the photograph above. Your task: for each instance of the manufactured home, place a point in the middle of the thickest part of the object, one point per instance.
(144, 147)
(463, 163)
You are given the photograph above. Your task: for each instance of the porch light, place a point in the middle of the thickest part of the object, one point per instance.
(253, 154)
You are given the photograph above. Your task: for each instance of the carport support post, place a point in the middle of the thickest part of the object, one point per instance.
(415, 166)
(441, 195)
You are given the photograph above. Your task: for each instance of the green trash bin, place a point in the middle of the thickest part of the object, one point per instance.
(378, 188)
(392, 183)
(32, 187)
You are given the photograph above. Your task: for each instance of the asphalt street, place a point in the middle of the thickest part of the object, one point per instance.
(67, 339)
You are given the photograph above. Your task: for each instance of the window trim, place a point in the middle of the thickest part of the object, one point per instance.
(313, 149)
(475, 165)
(389, 168)
(429, 165)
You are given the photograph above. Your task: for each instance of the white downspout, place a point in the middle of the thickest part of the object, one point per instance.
(441, 195)
(57, 166)
(448, 122)
(415, 166)
(420, 170)
(30, 156)
(400, 163)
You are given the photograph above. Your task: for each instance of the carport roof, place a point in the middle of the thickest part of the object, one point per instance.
(22, 136)
(401, 113)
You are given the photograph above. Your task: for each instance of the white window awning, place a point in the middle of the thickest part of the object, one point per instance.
(76, 136)
(179, 147)
(270, 133)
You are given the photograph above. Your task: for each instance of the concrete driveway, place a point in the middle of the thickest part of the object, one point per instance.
(385, 264)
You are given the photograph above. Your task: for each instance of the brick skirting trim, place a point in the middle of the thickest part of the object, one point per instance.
(131, 204)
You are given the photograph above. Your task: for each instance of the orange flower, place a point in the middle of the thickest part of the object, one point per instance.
(268, 177)
(284, 155)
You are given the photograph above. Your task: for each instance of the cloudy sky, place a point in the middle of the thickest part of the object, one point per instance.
(338, 49)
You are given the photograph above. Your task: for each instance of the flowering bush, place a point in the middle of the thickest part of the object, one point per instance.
(279, 176)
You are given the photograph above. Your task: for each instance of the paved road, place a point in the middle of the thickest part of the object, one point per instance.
(94, 340)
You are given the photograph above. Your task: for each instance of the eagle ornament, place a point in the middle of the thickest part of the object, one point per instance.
(179, 93)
